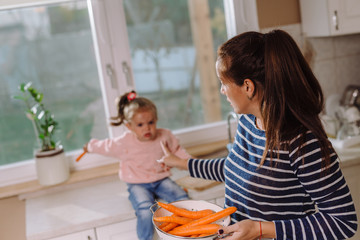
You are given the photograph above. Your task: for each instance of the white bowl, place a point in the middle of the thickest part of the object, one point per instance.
(194, 205)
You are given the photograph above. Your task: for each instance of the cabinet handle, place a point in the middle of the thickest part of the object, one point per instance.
(335, 20)
(89, 238)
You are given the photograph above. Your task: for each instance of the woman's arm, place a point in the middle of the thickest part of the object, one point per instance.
(336, 216)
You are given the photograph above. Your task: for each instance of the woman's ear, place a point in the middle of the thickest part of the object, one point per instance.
(250, 88)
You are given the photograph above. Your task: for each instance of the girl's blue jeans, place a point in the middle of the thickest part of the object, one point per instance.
(142, 197)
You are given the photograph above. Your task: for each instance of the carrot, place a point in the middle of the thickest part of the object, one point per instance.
(194, 235)
(208, 219)
(206, 228)
(204, 235)
(174, 219)
(79, 157)
(184, 212)
(169, 227)
(164, 225)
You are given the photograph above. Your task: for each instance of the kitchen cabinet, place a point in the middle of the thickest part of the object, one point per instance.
(251, 15)
(330, 17)
(83, 235)
(125, 230)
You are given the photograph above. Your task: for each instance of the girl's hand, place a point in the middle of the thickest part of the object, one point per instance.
(171, 160)
(85, 147)
(244, 230)
(81, 155)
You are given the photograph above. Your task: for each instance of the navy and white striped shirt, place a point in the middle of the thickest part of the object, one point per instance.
(283, 190)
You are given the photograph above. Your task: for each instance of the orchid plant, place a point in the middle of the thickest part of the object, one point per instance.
(43, 121)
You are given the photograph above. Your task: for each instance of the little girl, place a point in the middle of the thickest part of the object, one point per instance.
(138, 151)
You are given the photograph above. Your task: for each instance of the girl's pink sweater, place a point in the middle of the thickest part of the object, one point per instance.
(138, 159)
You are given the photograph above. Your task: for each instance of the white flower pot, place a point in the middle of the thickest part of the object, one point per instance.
(52, 167)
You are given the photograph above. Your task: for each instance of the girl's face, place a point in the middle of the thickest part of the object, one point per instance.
(235, 95)
(143, 124)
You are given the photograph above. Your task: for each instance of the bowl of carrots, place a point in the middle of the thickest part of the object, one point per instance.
(190, 219)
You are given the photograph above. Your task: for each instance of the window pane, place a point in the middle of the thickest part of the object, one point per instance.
(164, 58)
(52, 47)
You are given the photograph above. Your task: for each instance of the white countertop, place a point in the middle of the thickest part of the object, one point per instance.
(87, 207)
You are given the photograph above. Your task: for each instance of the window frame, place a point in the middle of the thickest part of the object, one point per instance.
(113, 50)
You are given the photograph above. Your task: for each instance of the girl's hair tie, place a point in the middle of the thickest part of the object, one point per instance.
(131, 96)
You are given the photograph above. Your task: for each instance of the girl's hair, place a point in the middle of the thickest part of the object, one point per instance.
(290, 95)
(128, 104)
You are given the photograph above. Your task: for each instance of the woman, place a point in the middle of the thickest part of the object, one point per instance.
(282, 173)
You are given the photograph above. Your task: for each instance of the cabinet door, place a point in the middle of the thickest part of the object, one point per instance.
(330, 17)
(83, 235)
(119, 231)
(345, 16)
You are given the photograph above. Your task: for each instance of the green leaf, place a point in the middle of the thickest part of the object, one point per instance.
(39, 97)
(22, 87)
(20, 98)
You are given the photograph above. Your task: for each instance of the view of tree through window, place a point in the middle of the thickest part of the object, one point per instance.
(164, 57)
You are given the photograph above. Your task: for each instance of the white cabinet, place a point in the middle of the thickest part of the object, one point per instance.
(83, 235)
(119, 231)
(330, 17)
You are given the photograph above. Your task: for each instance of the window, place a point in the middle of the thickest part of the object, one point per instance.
(34, 43)
(167, 58)
(83, 54)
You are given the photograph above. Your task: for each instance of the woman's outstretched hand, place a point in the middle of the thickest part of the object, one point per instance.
(171, 160)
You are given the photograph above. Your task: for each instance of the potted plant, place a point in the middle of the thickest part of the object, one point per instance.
(51, 164)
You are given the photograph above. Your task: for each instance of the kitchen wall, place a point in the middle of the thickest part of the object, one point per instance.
(334, 60)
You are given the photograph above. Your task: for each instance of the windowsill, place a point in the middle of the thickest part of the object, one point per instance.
(103, 173)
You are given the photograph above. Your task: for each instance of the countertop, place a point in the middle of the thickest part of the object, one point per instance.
(91, 206)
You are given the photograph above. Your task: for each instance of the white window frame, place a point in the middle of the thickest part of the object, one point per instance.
(112, 49)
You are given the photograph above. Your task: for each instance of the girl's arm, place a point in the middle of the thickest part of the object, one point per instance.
(107, 147)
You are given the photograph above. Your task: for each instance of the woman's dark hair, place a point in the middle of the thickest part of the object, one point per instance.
(129, 104)
(291, 96)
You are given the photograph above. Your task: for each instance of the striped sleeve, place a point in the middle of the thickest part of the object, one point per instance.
(336, 216)
(211, 169)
